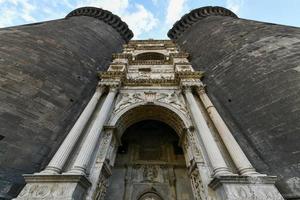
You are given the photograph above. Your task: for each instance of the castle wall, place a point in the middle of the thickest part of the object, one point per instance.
(252, 73)
(47, 75)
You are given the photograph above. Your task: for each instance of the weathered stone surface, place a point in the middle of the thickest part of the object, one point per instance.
(253, 77)
(47, 75)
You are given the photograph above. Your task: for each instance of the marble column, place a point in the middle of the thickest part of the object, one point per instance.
(239, 158)
(86, 152)
(58, 161)
(213, 152)
(102, 164)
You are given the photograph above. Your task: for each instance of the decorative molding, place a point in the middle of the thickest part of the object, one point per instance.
(189, 75)
(179, 55)
(150, 82)
(197, 185)
(105, 16)
(122, 56)
(174, 99)
(54, 187)
(218, 181)
(101, 189)
(150, 62)
(188, 20)
(150, 44)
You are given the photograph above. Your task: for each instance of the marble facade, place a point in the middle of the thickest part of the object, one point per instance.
(150, 80)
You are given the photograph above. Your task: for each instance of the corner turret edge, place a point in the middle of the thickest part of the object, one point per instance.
(194, 16)
(105, 16)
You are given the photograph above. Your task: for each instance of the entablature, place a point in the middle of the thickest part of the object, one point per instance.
(157, 63)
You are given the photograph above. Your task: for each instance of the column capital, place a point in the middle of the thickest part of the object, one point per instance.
(186, 88)
(201, 89)
(113, 88)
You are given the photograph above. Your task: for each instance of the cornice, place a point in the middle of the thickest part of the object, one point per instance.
(179, 55)
(150, 82)
(150, 62)
(189, 75)
(194, 16)
(122, 56)
(150, 44)
(105, 16)
(111, 75)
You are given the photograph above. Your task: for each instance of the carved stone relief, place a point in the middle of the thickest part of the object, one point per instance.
(101, 188)
(150, 172)
(252, 192)
(127, 99)
(197, 185)
(173, 98)
(195, 151)
(104, 145)
(49, 191)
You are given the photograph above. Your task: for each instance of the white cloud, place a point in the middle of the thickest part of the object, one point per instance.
(175, 11)
(12, 10)
(115, 6)
(234, 5)
(140, 21)
(155, 2)
(6, 17)
(138, 18)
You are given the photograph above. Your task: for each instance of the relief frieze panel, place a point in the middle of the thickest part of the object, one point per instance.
(173, 98)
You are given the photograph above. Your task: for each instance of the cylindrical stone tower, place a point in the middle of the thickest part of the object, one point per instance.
(47, 76)
(252, 73)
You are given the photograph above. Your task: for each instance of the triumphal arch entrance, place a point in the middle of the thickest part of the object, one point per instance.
(150, 132)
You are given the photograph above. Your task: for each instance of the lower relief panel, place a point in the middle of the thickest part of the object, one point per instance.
(149, 181)
(149, 165)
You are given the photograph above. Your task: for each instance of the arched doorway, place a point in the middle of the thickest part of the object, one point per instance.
(150, 196)
(148, 159)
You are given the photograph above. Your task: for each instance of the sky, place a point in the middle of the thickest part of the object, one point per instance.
(148, 18)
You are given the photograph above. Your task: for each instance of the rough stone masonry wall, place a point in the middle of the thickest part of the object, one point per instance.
(47, 75)
(252, 73)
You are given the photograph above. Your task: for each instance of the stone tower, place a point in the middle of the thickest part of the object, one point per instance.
(252, 73)
(48, 74)
(210, 114)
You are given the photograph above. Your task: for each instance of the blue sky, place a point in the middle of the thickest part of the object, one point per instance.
(148, 18)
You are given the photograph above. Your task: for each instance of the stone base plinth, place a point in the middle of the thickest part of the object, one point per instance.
(58, 187)
(246, 188)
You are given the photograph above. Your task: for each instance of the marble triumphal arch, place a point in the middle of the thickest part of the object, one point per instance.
(150, 132)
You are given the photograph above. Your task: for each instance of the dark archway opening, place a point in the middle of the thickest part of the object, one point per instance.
(150, 136)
